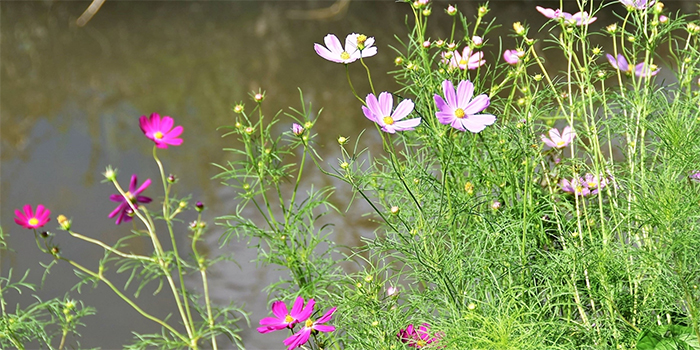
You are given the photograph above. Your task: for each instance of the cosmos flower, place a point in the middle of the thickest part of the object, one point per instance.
(30, 220)
(460, 110)
(302, 336)
(552, 13)
(362, 43)
(641, 70)
(123, 211)
(334, 52)
(513, 57)
(578, 18)
(594, 183)
(575, 186)
(286, 319)
(581, 18)
(380, 113)
(161, 131)
(417, 338)
(637, 4)
(467, 60)
(558, 140)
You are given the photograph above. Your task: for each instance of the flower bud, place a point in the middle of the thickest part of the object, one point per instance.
(172, 179)
(398, 61)
(202, 224)
(612, 29)
(658, 7)
(110, 174)
(44, 234)
(238, 108)
(426, 44)
(477, 40)
(469, 188)
(693, 28)
(518, 28)
(471, 306)
(308, 125)
(537, 77)
(391, 291)
(394, 210)
(259, 97)
(297, 129)
(663, 19)
(342, 140)
(344, 165)
(64, 222)
(451, 46)
(427, 12)
(483, 10)
(496, 205)
(199, 206)
(249, 130)
(368, 278)
(451, 10)
(440, 43)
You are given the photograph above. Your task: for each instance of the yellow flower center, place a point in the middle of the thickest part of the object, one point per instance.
(129, 196)
(361, 39)
(420, 343)
(459, 113)
(579, 189)
(344, 55)
(309, 323)
(560, 143)
(288, 319)
(462, 61)
(158, 135)
(388, 120)
(33, 221)
(592, 185)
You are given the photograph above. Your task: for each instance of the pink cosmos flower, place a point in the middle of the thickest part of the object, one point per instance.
(301, 337)
(513, 56)
(334, 52)
(380, 113)
(553, 14)
(123, 211)
(28, 219)
(581, 18)
(460, 111)
(594, 183)
(467, 60)
(641, 70)
(578, 18)
(637, 4)
(417, 338)
(161, 131)
(558, 140)
(576, 186)
(285, 319)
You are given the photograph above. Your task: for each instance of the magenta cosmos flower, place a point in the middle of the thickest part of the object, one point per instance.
(467, 60)
(641, 69)
(28, 219)
(161, 131)
(513, 57)
(123, 211)
(558, 140)
(334, 52)
(286, 319)
(301, 337)
(417, 338)
(460, 111)
(380, 113)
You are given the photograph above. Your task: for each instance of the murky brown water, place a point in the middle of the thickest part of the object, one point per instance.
(70, 98)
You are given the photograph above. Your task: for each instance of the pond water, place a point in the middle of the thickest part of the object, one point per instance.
(70, 98)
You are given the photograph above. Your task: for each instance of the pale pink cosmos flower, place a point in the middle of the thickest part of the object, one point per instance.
(582, 18)
(578, 18)
(132, 196)
(513, 57)
(557, 140)
(460, 110)
(361, 43)
(467, 60)
(553, 14)
(641, 70)
(391, 291)
(334, 52)
(161, 131)
(637, 4)
(302, 336)
(575, 186)
(594, 183)
(30, 220)
(286, 319)
(379, 111)
(418, 337)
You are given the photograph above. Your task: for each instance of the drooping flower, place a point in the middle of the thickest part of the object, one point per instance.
(287, 319)
(334, 52)
(418, 338)
(161, 131)
(637, 4)
(581, 18)
(558, 140)
(641, 70)
(576, 186)
(513, 57)
(30, 220)
(460, 111)
(302, 336)
(362, 43)
(467, 60)
(379, 111)
(123, 211)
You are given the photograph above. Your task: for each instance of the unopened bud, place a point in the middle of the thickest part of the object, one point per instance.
(398, 61)
(394, 210)
(172, 179)
(238, 108)
(496, 205)
(483, 10)
(297, 129)
(199, 206)
(259, 97)
(451, 10)
(342, 140)
(64, 222)
(518, 28)
(612, 28)
(663, 19)
(426, 44)
(344, 165)
(477, 40)
(248, 130)
(427, 12)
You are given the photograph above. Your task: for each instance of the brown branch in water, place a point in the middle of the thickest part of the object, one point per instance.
(339, 8)
(89, 12)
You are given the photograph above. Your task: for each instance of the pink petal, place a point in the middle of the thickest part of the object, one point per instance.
(622, 63)
(440, 103)
(327, 316)
(369, 51)
(548, 142)
(446, 117)
(324, 328)
(303, 315)
(403, 109)
(298, 339)
(406, 125)
(297, 307)
(144, 124)
(386, 102)
(132, 184)
(476, 125)
(116, 198)
(369, 114)
(554, 135)
(166, 124)
(143, 186)
(22, 223)
(155, 121)
(327, 54)
(374, 107)
(28, 212)
(333, 44)
(449, 91)
(177, 131)
(116, 210)
(20, 215)
(465, 91)
(477, 105)
(612, 60)
(279, 309)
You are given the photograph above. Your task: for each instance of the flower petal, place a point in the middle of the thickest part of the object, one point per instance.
(450, 95)
(465, 91)
(477, 105)
(327, 54)
(333, 44)
(386, 102)
(327, 316)
(403, 109)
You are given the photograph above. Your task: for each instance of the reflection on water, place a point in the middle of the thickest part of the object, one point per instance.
(71, 96)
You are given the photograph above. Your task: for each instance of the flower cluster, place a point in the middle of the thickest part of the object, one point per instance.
(641, 70)
(418, 337)
(298, 315)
